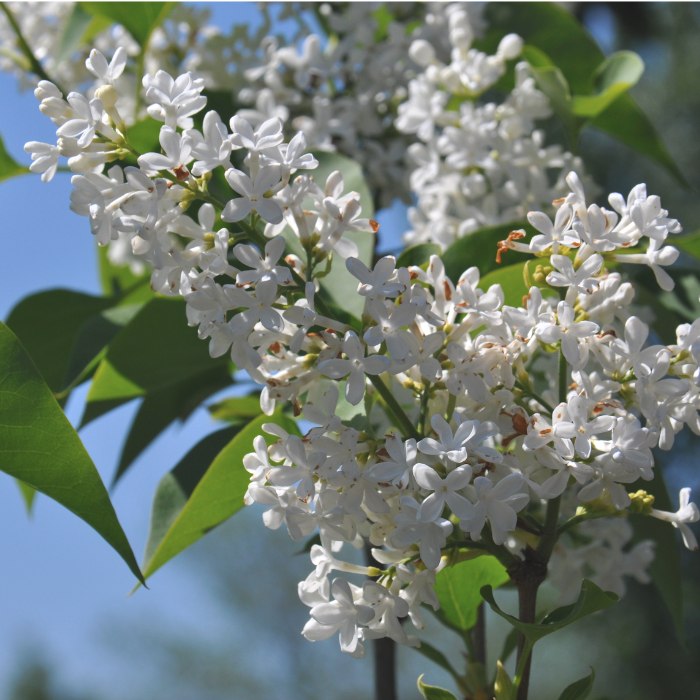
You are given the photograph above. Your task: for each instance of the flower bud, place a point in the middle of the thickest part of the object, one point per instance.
(421, 52)
(108, 94)
(510, 47)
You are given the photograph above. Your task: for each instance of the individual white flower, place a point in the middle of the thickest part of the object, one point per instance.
(177, 155)
(268, 134)
(398, 469)
(687, 513)
(554, 234)
(268, 267)
(499, 503)
(377, 283)
(88, 118)
(657, 256)
(420, 591)
(44, 159)
(444, 491)
(388, 326)
(253, 195)
(578, 281)
(388, 609)
(432, 536)
(175, 100)
(213, 148)
(356, 365)
(567, 331)
(97, 64)
(308, 467)
(573, 424)
(342, 615)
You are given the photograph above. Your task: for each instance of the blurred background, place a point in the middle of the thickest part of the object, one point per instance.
(222, 621)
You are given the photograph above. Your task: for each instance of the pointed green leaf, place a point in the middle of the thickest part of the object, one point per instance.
(48, 323)
(458, 589)
(590, 600)
(432, 692)
(156, 349)
(28, 495)
(217, 496)
(612, 78)
(236, 409)
(9, 167)
(625, 121)
(162, 407)
(40, 447)
(140, 18)
(437, 657)
(579, 690)
(502, 686)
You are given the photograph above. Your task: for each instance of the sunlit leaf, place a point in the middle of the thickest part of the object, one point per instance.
(458, 589)
(9, 167)
(502, 685)
(612, 78)
(512, 283)
(479, 249)
(216, 495)
(432, 692)
(140, 18)
(236, 409)
(39, 447)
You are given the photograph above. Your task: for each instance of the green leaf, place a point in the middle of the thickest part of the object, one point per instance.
(155, 350)
(40, 447)
(690, 244)
(117, 279)
(431, 692)
(28, 495)
(437, 657)
(512, 283)
(665, 569)
(140, 19)
(417, 255)
(625, 121)
(236, 409)
(458, 587)
(612, 78)
(218, 494)
(48, 323)
(176, 487)
(590, 600)
(162, 407)
(579, 690)
(80, 27)
(502, 686)
(479, 249)
(9, 167)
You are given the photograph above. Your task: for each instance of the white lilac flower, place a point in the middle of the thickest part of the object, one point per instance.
(356, 366)
(687, 513)
(253, 195)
